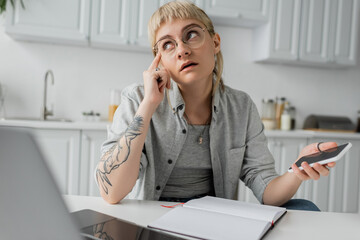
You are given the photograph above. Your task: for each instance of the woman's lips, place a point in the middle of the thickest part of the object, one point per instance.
(188, 66)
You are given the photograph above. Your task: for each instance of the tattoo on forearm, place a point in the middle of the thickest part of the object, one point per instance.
(100, 233)
(118, 155)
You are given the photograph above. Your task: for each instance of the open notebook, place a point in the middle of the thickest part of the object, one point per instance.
(218, 218)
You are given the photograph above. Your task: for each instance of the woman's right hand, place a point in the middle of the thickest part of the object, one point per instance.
(155, 81)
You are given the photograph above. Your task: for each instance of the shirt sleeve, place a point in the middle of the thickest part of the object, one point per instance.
(258, 164)
(124, 115)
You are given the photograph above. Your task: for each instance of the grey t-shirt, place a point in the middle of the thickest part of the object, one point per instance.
(238, 146)
(192, 174)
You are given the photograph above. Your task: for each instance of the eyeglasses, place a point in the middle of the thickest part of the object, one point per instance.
(194, 37)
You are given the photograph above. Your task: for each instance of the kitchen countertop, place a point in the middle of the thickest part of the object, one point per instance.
(102, 125)
(310, 134)
(76, 125)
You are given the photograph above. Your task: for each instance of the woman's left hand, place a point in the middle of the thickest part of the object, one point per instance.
(317, 170)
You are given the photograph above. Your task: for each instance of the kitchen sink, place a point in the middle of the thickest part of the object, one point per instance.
(38, 119)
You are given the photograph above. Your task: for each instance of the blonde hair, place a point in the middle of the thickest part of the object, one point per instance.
(185, 10)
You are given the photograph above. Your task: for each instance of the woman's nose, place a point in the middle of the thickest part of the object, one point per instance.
(182, 50)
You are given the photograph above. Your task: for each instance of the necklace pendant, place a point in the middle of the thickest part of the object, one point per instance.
(200, 140)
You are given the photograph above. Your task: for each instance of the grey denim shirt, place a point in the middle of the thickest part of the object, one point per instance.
(238, 146)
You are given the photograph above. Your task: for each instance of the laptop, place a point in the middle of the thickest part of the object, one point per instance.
(31, 206)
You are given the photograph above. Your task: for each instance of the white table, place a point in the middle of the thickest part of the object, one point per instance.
(294, 225)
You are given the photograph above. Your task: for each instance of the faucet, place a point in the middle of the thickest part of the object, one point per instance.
(46, 112)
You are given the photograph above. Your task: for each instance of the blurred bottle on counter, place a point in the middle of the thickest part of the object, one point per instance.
(268, 114)
(2, 102)
(285, 118)
(280, 104)
(91, 116)
(114, 102)
(358, 122)
(292, 112)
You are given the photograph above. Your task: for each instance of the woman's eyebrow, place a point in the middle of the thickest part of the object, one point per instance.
(182, 30)
(190, 25)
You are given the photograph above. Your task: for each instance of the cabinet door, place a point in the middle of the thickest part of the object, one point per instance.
(315, 30)
(242, 9)
(285, 29)
(339, 192)
(61, 150)
(110, 24)
(285, 151)
(346, 32)
(141, 13)
(91, 142)
(51, 21)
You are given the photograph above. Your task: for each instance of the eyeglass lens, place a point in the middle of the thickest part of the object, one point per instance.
(193, 37)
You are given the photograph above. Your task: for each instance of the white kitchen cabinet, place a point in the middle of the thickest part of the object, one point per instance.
(116, 24)
(121, 24)
(285, 151)
(315, 30)
(61, 149)
(279, 39)
(329, 31)
(142, 11)
(56, 21)
(346, 32)
(91, 141)
(309, 32)
(110, 24)
(72, 156)
(247, 13)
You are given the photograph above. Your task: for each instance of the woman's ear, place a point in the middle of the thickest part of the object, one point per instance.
(217, 44)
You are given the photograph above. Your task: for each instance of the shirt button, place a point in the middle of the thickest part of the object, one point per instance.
(170, 161)
(181, 107)
(184, 131)
(158, 188)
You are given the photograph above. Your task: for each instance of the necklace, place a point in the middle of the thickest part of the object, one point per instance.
(200, 138)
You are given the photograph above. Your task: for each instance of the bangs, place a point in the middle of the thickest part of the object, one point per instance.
(174, 11)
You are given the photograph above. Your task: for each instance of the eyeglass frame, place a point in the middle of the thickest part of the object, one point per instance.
(176, 43)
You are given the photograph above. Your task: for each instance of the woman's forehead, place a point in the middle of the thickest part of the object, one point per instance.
(175, 27)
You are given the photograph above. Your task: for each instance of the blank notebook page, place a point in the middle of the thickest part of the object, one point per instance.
(210, 225)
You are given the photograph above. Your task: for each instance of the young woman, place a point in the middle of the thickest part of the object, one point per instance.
(183, 134)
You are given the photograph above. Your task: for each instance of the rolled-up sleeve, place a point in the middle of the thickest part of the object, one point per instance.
(123, 116)
(258, 165)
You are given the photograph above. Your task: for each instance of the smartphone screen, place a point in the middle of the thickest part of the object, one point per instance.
(321, 156)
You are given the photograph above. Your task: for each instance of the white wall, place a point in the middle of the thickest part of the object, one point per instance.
(84, 77)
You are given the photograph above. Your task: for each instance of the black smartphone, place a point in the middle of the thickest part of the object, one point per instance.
(323, 157)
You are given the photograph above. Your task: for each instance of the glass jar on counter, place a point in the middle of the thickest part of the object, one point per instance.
(286, 118)
(114, 102)
(292, 112)
(358, 122)
(268, 114)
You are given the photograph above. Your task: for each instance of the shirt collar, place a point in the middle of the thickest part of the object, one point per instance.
(177, 101)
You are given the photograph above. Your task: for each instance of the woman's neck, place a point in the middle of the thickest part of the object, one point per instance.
(198, 100)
